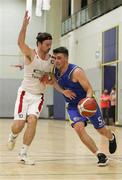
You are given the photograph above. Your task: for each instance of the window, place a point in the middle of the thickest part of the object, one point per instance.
(83, 3)
(69, 7)
(110, 45)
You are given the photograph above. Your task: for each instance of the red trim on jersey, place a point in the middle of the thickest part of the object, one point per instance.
(36, 54)
(21, 102)
(41, 103)
(35, 51)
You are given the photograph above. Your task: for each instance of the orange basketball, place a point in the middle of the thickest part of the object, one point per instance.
(87, 107)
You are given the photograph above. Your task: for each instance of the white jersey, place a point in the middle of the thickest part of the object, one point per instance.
(32, 72)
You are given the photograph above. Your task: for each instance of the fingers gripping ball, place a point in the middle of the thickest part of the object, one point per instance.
(87, 107)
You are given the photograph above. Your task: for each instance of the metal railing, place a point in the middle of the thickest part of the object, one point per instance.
(91, 12)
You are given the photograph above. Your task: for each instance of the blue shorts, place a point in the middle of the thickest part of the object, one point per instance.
(96, 120)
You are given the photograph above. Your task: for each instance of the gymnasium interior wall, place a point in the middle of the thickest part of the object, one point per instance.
(84, 44)
(120, 75)
(11, 17)
(85, 49)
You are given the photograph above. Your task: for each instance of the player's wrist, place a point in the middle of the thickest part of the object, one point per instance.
(63, 91)
(89, 96)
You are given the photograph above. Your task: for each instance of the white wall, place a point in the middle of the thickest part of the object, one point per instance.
(85, 41)
(120, 75)
(83, 44)
(11, 17)
(53, 21)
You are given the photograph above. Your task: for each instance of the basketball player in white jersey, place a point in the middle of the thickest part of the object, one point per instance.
(30, 95)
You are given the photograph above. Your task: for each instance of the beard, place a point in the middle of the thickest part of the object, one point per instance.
(48, 50)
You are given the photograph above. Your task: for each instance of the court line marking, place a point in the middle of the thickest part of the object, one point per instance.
(60, 159)
(63, 174)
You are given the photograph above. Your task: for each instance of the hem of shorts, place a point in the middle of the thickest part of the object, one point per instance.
(99, 127)
(34, 115)
(76, 122)
(19, 119)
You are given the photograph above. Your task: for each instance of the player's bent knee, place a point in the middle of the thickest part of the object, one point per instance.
(79, 126)
(32, 119)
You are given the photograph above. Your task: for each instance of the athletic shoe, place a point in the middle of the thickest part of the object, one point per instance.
(102, 159)
(112, 145)
(11, 142)
(24, 160)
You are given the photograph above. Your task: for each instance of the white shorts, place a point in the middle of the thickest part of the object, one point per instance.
(27, 104)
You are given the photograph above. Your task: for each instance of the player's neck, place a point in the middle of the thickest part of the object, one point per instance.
(42, 55)
(64, 69)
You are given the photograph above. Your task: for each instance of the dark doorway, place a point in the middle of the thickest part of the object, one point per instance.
(59, 106)
(109, 77)
(110, 80)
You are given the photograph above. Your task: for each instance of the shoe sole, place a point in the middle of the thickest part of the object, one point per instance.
(103, 164)
(32, 163)
(10, 147)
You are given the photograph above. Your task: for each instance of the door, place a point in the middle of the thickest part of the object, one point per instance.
(59, 106)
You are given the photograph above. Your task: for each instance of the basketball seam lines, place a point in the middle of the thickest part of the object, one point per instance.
(86, 109)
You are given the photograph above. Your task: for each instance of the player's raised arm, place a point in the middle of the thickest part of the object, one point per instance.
(21, 38)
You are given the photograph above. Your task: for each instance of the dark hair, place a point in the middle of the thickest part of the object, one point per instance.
(43, 36)
(62, 50)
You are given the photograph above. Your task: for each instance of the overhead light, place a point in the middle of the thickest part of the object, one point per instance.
(46, 5)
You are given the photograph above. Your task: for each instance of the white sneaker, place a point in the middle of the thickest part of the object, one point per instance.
(11, 142)
(24, 160)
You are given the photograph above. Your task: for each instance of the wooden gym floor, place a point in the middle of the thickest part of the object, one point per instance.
(59, 154)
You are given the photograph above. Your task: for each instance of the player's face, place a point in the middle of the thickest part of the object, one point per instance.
(45, 46)
(60, 60)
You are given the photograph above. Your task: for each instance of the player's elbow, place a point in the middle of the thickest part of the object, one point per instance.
(20, 43)
(23, 48)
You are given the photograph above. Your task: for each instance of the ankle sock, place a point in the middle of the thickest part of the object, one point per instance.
(24, 149)
(13, 135)
(97, 152)
(112, 138)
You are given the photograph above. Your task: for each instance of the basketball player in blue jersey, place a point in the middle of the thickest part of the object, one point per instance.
(71, 77)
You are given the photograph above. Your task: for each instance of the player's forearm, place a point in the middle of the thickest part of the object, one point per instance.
(22, 34)
(57, 87)
(90, 93)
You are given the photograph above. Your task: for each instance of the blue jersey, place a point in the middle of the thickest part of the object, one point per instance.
(65, 81)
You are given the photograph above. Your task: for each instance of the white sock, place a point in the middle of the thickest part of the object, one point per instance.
(97, 152)
(13, 135)
(112, 138)
(24, 149)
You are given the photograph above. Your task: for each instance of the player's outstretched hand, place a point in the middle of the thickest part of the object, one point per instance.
(26, 19)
